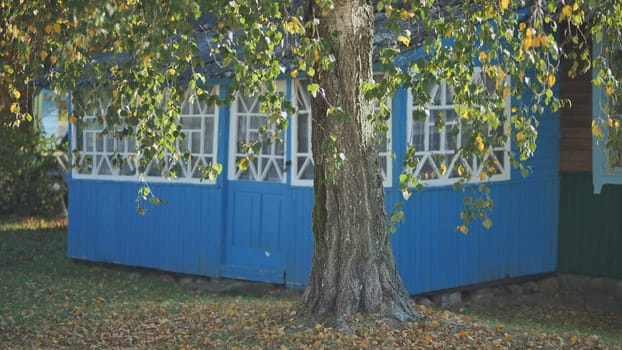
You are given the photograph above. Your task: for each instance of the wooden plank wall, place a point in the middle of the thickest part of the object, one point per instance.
(575, 121)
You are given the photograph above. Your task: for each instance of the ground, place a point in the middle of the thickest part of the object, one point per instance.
(50, 301)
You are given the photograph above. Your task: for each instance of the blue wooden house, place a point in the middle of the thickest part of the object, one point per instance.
(256, 225)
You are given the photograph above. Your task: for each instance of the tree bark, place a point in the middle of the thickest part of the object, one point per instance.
(353, 265)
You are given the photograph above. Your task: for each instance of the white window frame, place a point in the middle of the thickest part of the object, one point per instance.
(297, 86)
(234, 154)
(297, 168)
(451, 157)
(128, 151)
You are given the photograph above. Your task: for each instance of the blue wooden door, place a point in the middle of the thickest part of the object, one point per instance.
(256, 198)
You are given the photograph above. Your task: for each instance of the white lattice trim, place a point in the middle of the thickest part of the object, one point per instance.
(439, 163)
(111, 158)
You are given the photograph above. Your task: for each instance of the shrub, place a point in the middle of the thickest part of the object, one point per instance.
(26, 187)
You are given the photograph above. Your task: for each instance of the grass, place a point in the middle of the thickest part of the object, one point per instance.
(49, 301)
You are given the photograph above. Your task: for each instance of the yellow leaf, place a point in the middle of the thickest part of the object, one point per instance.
(462, 334)
(550, 80)
(294, 73)
(91, 33)
(480, 146)
(318, 326)
(171, 71)
(462, 229)
(478, 139)
(566, 12)
(443, 169)
(482, 176)
(527, 43)
(505, 4)
(221, 25)
(522, 26)
(295, 24)
(574, 339)
(609, 90)
(465, 115)
(483, 56)
(48, 28)
(404, 14)
(16, 94)
(543, 39)
(72, 119)
(596, 130)
(520, 137)
(316, 55)
(57, 27)
(13, 107)
(403, 39)
(536, 41)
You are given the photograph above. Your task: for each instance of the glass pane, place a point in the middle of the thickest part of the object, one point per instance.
(127, 168)
(99, 143)
(306, 172)
(191, 123)
(86, 164)
(434, 139)
(108, 143)
(246, 104)
(279, 146)
(154, 169)
(209, 136)
(427, 171)
(417, 139)
(195, 142)
(500, 155)
(382, 146)
(186, 108)
(273, 174)
(131, 144)
(303, 132)
(256, 122)
(435, 95)
(89, 141)
(104, 168)
(383, 165)
(450, 115)
(451, 141)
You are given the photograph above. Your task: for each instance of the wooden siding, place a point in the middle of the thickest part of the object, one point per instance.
(187, 233)
(575, 121)
(590, 227)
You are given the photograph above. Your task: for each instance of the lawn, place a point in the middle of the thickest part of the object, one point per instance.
(50, 301)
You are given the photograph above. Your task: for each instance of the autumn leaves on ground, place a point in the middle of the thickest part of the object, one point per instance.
(49, 301)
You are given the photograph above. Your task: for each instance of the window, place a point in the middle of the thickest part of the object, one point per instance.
(109, 157)
(302, 162)
(607, 152)
(439, 161)
(268, 163)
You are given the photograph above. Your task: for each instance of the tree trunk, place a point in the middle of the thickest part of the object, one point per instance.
(353, 265)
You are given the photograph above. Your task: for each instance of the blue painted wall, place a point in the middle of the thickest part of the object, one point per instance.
(187, 233)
